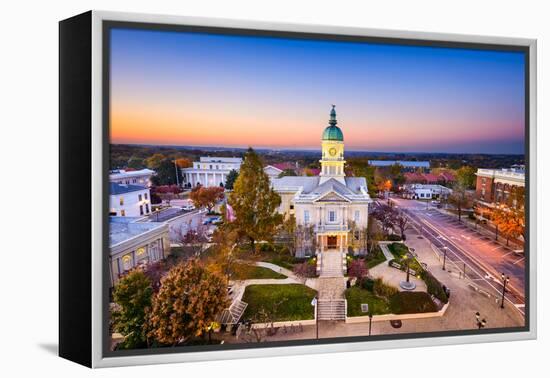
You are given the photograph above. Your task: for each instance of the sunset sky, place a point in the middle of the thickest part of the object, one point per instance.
(189, 89)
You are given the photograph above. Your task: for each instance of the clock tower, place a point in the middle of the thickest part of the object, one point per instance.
(332, 162)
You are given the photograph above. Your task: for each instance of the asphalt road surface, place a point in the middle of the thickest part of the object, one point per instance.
(482, 259)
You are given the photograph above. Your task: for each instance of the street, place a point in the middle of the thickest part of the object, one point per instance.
(468, 251)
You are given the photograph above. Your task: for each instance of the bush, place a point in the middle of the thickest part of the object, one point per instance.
(411, 302)
(435, 287)
(393, 237)
(398, 249)
(305, 270)
(367, 284)
(357, 268)
(382, 289)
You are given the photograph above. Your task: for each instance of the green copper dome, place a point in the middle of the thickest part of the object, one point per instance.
(333, 132)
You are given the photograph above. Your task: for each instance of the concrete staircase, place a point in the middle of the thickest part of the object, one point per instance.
(333, 309)
(331, 264)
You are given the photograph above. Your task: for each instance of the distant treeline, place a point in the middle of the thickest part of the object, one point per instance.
(135, 156)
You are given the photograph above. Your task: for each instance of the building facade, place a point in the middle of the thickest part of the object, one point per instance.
(129, 200)
(141, 177)
(333, 207)
(210, 171)
(500, 186)
(133, 244)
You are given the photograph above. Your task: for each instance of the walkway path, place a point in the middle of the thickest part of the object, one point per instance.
(386, 251)
(331, 264)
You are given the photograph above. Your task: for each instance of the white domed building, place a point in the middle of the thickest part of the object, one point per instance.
(334, 207)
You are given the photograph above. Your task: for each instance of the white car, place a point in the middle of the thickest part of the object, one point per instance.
(188, 207)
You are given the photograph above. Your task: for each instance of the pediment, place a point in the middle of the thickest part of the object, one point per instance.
(332, 197)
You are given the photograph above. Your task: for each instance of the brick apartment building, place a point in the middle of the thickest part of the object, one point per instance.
(496, 186)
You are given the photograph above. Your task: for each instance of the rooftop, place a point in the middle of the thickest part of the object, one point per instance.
(116, 188)
(126, 174)
(122, 229)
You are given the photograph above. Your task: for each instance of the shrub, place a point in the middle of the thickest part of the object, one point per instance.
(411, 302)
(305, 270)
(357, 268)
(393, 237)
(398, 249)
(382, 289)
(435, 287)
(367, 284)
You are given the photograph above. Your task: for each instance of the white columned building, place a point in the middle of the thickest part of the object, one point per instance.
(210, 171)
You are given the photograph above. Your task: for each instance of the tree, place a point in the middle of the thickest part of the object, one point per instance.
(165, 173)
(461, 198)
(510, 222)
(254, 202)
(184, 163)
(230, 179)
(287, 172)
(401, 221)
(206, 196)
(136, 162)
(132, 296)
(386, 216)
(187, 303)
(466, 177)
(358, 269)
(153, 162)
(288, 233)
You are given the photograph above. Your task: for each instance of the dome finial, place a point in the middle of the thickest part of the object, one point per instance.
(332, 120)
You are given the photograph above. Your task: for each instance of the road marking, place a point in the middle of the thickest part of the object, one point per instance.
(474, 259)
(506, 254)
(520, 260)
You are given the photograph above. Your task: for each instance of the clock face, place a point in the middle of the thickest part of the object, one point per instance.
(332, 151)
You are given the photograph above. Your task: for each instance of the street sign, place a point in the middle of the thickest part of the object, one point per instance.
(364, 307)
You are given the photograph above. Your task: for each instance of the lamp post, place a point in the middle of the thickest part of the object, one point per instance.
(505, 279)
(480, 322)
(315, 304)
(444, 256)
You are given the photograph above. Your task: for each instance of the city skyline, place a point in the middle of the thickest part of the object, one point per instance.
(191, 89)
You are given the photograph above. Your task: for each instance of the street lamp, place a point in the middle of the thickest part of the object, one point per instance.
(480, 322)
(444, 256)
(505, 279)
(315, 304)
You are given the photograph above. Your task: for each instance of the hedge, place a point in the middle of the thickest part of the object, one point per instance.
(411, 302)
(434, 286)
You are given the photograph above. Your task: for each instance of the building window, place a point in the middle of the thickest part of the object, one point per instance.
(141, 255)
(122, 213)
(356, 235)
(145, 196)
(121, 201)
(306, 216)
(357, 215)
(127, 262)
(146, 208)
(332, 216)
(140, 198)
(140, 209)
(291, 207)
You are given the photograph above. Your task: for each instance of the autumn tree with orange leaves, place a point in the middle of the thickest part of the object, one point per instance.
(206, 196)
(188, 302)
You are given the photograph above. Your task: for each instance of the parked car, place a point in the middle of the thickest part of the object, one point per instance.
(188, 207)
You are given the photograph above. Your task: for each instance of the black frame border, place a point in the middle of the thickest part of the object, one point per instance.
(108, 25)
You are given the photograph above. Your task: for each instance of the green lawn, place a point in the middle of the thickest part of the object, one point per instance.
(294, 301)
(356, 296)
(251, 272)
(375, 257)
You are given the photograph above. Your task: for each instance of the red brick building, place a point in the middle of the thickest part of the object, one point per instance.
(495, 186)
